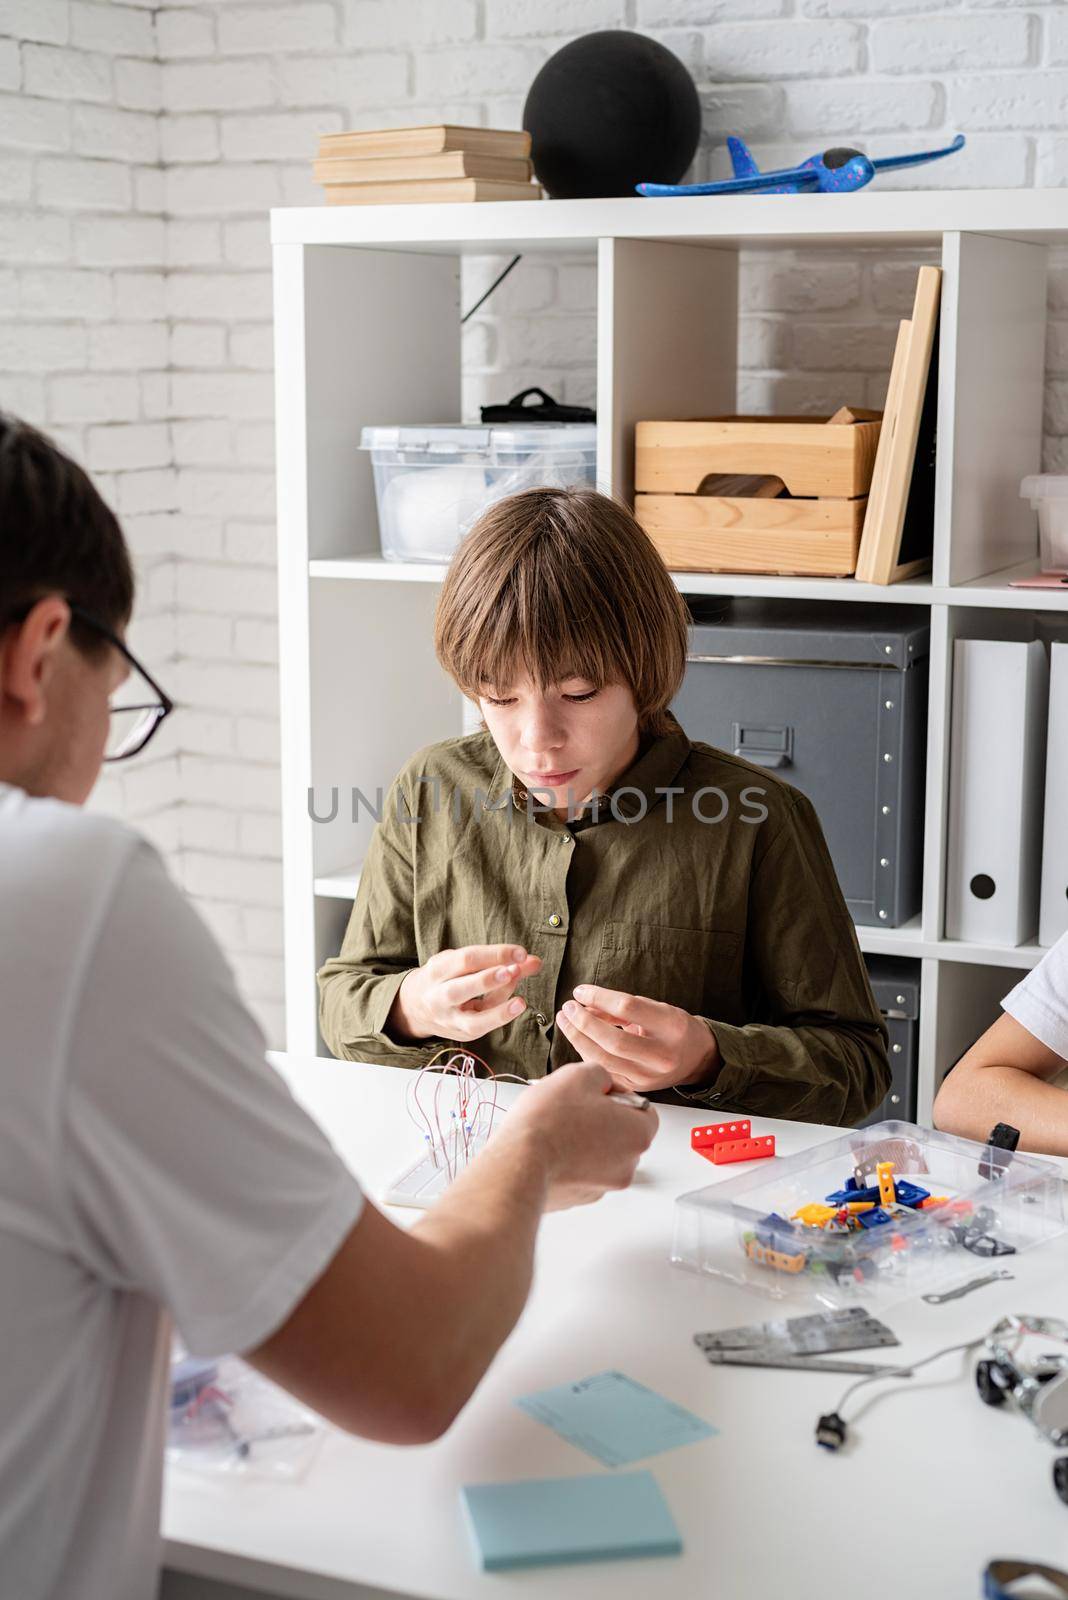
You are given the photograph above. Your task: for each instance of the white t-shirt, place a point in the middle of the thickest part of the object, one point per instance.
(149, 1159)
(1040, 1003)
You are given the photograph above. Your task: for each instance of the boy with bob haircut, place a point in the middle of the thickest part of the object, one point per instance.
(665, 908)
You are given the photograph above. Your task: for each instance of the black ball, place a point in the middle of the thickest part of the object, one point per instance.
(608, 111)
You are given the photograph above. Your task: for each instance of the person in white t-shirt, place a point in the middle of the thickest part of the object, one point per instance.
(152, 1165)
(1017, 1072)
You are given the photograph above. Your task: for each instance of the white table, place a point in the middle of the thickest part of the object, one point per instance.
(935, 1484)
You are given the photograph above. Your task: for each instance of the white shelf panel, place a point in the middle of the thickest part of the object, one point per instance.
(338, 885)
(903, 941)
(903, 217)
(915, 591)
(371, 568)
(992, 589)
(989, 955)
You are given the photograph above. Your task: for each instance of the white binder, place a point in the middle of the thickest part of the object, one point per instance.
(1053, 913)
(997, 768)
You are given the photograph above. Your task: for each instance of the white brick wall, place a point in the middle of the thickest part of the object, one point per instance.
(140, 146)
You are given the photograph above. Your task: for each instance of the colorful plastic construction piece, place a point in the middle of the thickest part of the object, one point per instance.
(766, 1257)
(742, 1150)
(713, 1133)
(884, 1174)
(814, 1215)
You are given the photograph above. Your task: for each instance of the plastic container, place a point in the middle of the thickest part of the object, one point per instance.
(728, 1231)
(432, 482)
(1048, 494)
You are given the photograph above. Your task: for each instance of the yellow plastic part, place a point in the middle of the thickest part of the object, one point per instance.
(814, 1214)
(773, 1258)
(860, 1205)
(884, 1172)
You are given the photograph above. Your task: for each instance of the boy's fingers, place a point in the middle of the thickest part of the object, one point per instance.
(458, 991)
(608, 1036)
(500, 1016)
(618, 1004)
(590, 1050)
(472, 958)
(476, 957)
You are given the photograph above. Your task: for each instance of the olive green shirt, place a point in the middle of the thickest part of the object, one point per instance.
(702, 880)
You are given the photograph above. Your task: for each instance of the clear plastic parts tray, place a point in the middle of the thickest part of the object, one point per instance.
(987, 1203)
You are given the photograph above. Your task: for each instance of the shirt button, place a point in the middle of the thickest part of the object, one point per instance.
(539, 1019)
(555, 920)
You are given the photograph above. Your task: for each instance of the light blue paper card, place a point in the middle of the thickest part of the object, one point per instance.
(615, 1419)
(542, 1521)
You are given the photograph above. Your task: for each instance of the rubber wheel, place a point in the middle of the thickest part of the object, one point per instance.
(990, 1393)
(1060, 1477)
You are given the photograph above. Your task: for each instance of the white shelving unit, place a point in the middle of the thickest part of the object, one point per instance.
(367, 327)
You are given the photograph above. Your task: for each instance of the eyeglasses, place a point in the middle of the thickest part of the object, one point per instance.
(137, 707)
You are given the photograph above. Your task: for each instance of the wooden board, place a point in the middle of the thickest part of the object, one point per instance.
(811, 457)
(879, 560)
(699, 533)
(877, 491)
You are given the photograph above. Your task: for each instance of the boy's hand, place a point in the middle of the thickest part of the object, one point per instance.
(645, 1044)
(589, 1142)
(462, 994)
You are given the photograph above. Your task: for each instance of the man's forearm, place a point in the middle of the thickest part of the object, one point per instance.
(973, 1098)
(481, 1234)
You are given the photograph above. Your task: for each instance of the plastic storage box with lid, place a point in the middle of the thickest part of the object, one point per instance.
(1048, 494)
(895, 983)
(433, 481)
(832, 698)
(744, 1230)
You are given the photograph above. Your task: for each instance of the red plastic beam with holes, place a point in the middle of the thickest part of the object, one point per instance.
(724, 1142)
(713, 1133)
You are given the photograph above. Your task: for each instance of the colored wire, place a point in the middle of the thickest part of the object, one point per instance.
(456, 1116)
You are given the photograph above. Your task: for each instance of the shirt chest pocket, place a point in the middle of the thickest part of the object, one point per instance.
(698, 969)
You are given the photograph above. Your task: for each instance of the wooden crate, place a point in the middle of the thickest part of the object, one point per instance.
(813, 530)
(810, 455)
(706, 533)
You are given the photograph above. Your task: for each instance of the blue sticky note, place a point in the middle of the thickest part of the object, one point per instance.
(615, 1419)
(547, 1521)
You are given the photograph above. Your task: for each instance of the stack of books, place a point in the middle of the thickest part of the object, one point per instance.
(392, 166)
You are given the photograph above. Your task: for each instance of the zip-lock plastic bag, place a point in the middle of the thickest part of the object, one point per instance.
(224, 1417)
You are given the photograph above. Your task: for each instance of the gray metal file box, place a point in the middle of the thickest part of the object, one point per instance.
(833, 698)
(895, 983)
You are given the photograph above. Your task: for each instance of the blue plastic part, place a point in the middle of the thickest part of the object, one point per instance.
(909, 1194)
(843, 1197)
(874, 1219)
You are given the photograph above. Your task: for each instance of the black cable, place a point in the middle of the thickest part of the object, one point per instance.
(831, 1428)
(491, 288)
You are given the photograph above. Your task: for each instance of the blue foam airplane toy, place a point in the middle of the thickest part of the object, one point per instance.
(835, 171)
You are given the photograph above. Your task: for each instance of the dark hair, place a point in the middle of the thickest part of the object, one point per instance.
(57, 536)
(563, 583)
